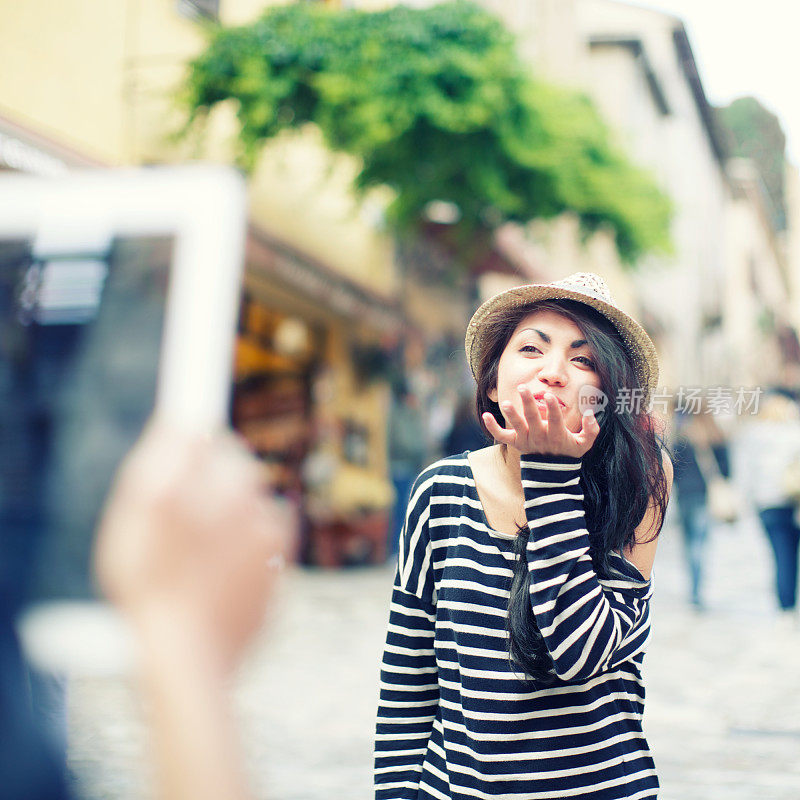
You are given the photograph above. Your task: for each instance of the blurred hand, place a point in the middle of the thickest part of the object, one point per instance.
(190, 543)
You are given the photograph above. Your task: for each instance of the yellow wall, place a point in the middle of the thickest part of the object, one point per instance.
(101, 78)
(61, 72)
(299, 191)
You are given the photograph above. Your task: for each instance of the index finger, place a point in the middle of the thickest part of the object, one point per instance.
(532, 415)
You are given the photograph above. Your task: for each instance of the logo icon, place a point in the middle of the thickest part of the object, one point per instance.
(590, 397)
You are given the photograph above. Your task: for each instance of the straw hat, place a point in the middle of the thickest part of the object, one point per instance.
(586, 287)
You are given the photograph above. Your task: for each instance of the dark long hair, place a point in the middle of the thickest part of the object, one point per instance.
(621, 475)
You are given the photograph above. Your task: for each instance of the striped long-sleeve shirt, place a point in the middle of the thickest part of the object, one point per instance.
(455, 720)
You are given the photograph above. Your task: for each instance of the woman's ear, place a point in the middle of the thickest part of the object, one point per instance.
(492, 394)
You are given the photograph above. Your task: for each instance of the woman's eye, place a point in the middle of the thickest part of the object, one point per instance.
(529, 348)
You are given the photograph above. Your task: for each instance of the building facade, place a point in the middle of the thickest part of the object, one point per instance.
(326, 309)
(698, 303)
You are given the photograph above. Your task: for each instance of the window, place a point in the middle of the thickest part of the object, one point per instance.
(199, 9)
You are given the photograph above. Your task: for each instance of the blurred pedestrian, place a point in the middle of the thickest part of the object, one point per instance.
(700, 462)
(32, 764)
(767, 460)
(32, 703)
(520, 609)
(408, 449)
(465, 433)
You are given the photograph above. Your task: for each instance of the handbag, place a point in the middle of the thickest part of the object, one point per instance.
(721, 496)
(790, 482)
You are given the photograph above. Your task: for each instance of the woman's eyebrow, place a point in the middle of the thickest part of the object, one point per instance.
(577, 343)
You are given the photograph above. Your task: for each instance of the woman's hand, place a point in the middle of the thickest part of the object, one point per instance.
(529, 433)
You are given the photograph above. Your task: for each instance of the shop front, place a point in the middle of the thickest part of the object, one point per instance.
(311, 396)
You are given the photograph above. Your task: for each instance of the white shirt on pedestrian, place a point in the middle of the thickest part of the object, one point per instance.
(762, 451)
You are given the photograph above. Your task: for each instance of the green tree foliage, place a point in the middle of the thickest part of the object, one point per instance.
(437, 106)
(753, 132)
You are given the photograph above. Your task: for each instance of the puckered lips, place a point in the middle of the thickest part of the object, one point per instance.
(542, 406)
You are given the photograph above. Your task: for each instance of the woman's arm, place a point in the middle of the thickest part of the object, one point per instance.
(409, 689)
(588, 626)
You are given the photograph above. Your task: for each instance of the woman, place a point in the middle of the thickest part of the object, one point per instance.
(520, 607)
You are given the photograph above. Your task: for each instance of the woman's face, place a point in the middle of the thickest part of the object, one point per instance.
(548, 353)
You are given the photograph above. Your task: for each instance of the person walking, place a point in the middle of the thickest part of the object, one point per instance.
(767, 451)
(408, 448)
(520, 608)
(700, 455)
(465, 432)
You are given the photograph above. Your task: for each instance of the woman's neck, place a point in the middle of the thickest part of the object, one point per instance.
(508, 464)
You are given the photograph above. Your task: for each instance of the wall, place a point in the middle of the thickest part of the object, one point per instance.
(102, 78)
(683, 289)
(62, 72)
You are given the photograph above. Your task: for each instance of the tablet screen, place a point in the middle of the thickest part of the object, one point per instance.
(79, 351)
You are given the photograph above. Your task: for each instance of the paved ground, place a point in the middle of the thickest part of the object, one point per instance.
(723, 704)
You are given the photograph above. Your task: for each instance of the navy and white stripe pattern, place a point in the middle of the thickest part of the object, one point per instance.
(455, 720)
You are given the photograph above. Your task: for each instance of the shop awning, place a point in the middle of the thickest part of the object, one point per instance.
(279, 262)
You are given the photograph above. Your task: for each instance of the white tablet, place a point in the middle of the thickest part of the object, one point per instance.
(118, 299)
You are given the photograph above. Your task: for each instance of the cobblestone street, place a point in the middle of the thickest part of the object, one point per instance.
(723, 705)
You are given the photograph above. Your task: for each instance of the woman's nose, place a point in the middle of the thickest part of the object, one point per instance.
(552, 372)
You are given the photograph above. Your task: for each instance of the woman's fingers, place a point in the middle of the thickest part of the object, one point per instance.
(502, 435)
(590, 428)
(516, 420)
(534, 421)
(555, 418)
(530, 432)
